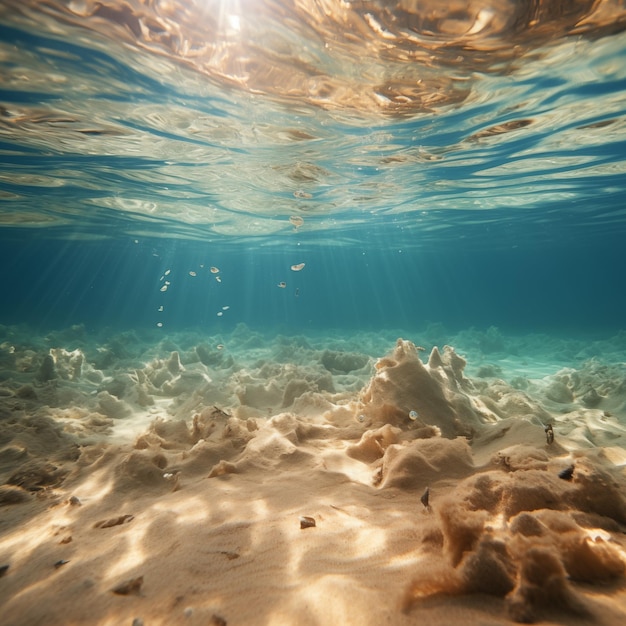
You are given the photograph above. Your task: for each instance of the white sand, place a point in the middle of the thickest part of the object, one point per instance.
(176, 473)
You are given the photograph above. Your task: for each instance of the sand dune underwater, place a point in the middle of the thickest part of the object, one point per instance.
(255, 479)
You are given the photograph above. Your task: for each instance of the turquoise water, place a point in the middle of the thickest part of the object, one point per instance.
(360, 261)
(439, 178)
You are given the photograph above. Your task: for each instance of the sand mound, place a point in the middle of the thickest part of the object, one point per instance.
(524, 535)
(434, 392)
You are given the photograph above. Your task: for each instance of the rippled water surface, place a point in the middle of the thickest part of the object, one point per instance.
(108, 121)
(379, 128)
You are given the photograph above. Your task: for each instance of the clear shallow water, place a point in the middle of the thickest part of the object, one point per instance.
(217, 217)
(463, 172)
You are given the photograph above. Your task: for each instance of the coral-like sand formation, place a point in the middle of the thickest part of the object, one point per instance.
(196, 480)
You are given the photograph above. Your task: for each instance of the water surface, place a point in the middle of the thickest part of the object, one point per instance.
(463, 164)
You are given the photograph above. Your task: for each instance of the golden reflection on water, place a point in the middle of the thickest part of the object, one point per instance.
(397, 57)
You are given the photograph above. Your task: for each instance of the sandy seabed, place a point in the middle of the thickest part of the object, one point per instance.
(247, 479)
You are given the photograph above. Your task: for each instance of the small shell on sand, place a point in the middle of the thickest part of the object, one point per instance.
(60, 563)
(567, 473)
(114, 521)
(307, 522)
(132, 586)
